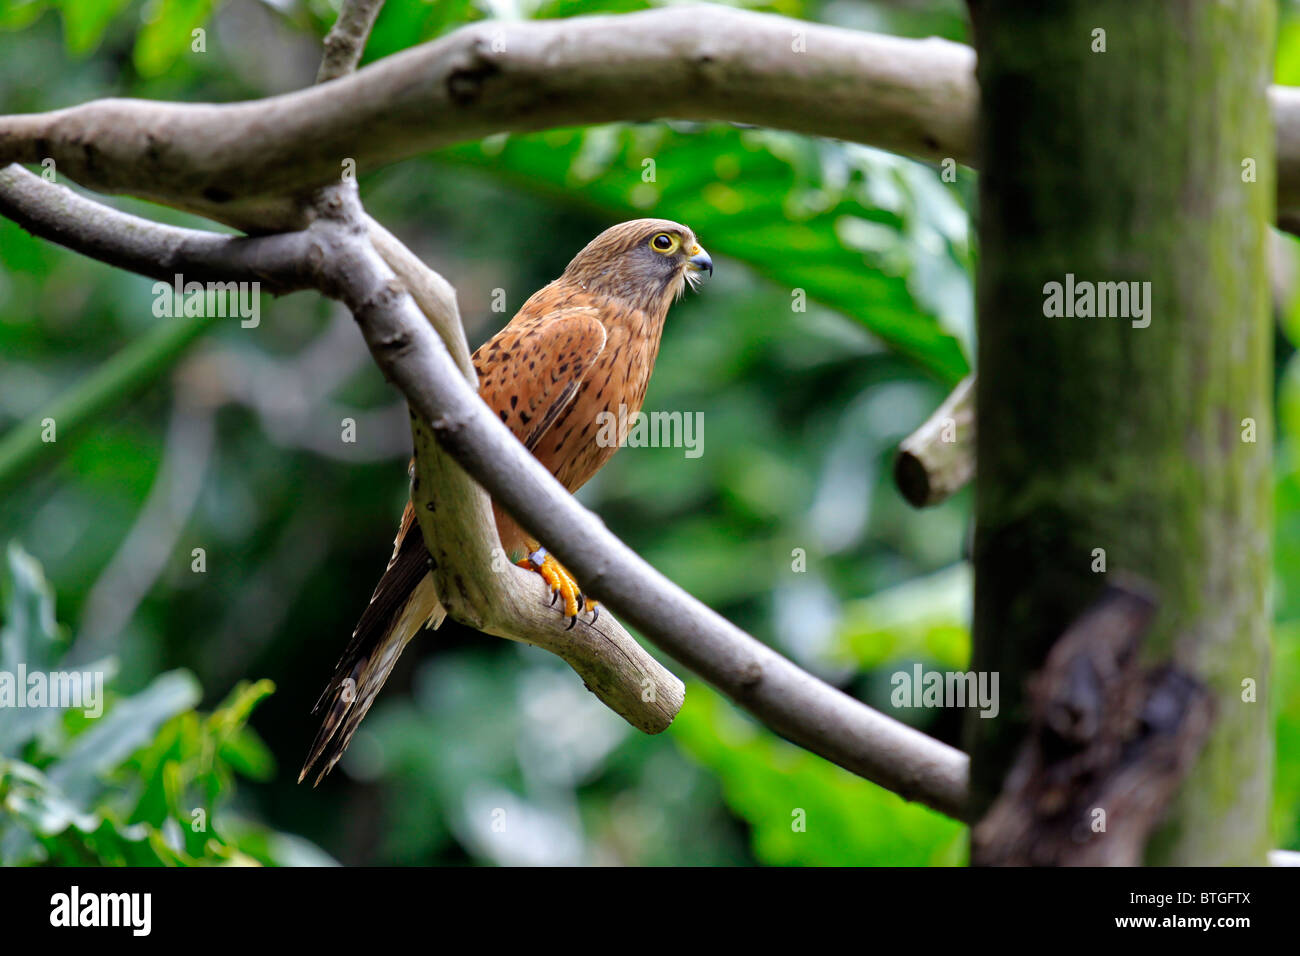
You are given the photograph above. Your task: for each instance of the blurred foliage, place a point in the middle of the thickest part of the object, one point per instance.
(126, 780)
(803, 810)
(479, 751)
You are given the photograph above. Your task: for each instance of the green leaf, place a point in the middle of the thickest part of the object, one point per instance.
(44, 826)
(1286, 70)
(233, 712)
(136, 785)
(129, 725)
(104, 841)
(84, 22)
(170, 34)
(235, 744)
(30, 642)
(407, 23)
(17, 14)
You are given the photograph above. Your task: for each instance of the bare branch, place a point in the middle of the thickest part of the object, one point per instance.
(250, 164)
(237, 162)
(939, 457)
(432, 293)
(1285, 101)
(346, 40)
(479, 586)
(138, 245)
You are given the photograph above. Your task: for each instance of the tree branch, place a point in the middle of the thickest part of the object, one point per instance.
(138, 245)
(346, 40)
(1285, 101)
(432, 293)
(250, 164)
(939, 457)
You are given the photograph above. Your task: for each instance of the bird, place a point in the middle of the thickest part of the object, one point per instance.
(583, 345)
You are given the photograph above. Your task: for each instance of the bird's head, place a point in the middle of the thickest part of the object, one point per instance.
(645, 262)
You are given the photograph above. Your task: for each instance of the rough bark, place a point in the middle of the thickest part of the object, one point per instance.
(1127, 166)
(1109, 743)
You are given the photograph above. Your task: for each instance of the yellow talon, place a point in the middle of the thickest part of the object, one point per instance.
(562, 584)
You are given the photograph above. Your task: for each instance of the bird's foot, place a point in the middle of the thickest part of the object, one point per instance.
(562, 585)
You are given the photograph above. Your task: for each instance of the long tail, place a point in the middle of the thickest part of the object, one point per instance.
(404, 601)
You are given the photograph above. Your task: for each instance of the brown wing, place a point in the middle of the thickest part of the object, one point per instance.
(532, 369)
(528, 372)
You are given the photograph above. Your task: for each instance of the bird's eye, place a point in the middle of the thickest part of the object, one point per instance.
(664, 243)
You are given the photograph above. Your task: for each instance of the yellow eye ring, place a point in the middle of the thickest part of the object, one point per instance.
(665, 244)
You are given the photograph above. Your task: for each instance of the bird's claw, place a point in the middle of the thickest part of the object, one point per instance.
(562, 585)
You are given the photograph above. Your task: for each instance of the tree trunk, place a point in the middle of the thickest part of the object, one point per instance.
(1146, 445)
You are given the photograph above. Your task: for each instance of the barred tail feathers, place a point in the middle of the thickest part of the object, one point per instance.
(405, 601)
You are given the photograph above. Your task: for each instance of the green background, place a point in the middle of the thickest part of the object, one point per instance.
(180, 434)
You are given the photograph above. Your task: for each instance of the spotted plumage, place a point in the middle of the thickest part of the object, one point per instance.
(582, 345)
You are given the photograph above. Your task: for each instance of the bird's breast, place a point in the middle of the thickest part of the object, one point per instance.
(612, 392)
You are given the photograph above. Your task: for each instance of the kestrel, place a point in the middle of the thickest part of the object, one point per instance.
(579, 347)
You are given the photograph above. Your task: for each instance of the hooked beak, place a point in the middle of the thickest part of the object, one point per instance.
(699, 260)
